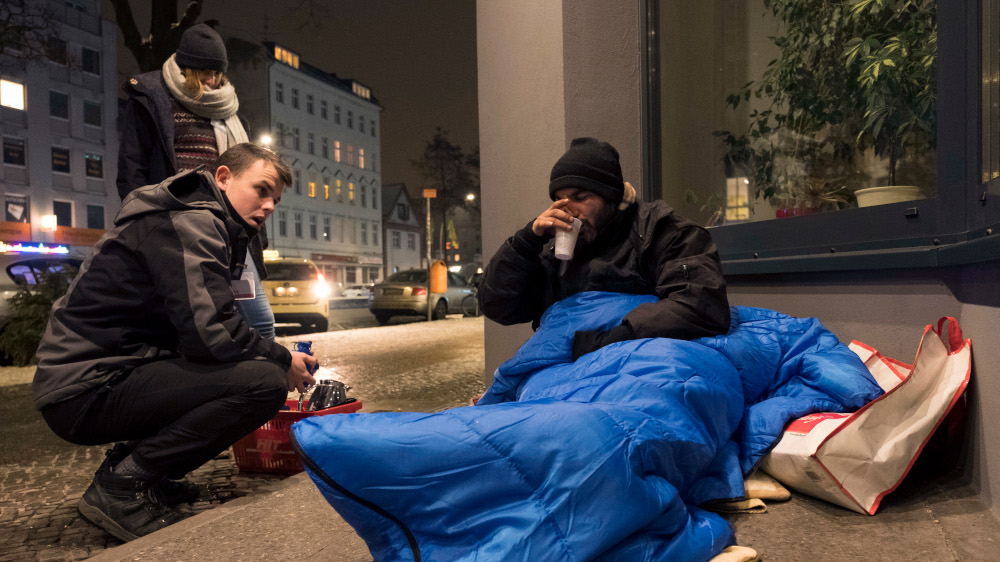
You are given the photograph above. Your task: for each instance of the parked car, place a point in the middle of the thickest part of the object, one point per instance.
(405, 293)
(298, 293)
(23, 272)
(355, 292)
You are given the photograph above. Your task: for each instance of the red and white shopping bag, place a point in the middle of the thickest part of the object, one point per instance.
(854, 460)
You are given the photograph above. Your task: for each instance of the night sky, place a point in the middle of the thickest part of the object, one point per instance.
(417, 56)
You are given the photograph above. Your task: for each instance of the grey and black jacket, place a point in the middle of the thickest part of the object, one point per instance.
(646, 249)
(157, 286)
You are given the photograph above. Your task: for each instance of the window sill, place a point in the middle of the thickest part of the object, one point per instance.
(985, 248)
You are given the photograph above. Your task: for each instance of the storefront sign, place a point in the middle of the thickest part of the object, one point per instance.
(77, 236)
(15, 231)
(16, 209)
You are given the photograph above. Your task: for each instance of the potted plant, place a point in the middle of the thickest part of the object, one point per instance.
(848, 78)
(894, 49)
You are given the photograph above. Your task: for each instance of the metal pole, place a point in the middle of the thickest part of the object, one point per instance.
(428, 199)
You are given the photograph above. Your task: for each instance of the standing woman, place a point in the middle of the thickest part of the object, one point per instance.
(180, 118)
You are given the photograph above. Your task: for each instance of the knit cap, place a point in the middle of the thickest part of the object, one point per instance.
(591, 165)
(201, 48)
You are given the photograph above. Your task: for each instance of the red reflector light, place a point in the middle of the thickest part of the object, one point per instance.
(419, 291)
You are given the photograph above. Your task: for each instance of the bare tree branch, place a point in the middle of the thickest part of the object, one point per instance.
(26, 28)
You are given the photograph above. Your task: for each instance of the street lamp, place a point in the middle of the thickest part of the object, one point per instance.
(470, 197)
(266, 140)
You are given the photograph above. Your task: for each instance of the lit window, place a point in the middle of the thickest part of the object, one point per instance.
(94, 165)
(340, 193)
(286, 56)
(326, 188)
(312, 189)
(60, 160)
(13, 151)
(361, 158)
(12, 94)
(350, 192)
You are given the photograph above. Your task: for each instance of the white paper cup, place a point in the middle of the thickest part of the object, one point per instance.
(566, 241)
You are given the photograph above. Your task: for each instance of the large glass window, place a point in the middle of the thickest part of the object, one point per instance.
(63, 210)
(808, 106)
(799, 127)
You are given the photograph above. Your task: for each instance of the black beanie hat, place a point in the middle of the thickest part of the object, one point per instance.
(201, 48)
(591, 165)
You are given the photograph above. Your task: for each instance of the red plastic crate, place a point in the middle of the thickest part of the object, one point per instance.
(269, 447)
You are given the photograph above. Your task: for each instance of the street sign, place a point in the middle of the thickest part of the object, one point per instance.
(430, 193)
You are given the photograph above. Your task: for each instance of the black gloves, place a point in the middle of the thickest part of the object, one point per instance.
(585, 342)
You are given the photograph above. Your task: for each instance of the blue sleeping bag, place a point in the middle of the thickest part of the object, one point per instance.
(605, 458)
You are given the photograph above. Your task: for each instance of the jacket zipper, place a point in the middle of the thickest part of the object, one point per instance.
(414, 548)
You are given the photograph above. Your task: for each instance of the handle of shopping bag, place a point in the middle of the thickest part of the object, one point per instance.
(955, 341)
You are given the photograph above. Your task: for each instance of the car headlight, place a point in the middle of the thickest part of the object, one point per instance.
(322, 290)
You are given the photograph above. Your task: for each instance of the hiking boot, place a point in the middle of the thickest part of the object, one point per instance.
(173, 492)
(125, 506)
(177, 491)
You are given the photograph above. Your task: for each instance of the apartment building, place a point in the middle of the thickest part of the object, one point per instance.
(327, 129)
(402, 228)
(59, 133)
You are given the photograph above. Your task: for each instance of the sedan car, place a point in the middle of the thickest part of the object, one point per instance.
(298, 293)
(405, 293)
(355, 292)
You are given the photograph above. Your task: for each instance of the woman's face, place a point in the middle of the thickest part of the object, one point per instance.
(210, 79)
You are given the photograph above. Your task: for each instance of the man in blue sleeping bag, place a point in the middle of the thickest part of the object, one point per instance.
(603, 435)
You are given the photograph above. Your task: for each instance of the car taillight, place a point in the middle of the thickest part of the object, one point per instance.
(419, 291)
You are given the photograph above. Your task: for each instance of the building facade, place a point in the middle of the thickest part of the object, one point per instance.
(58, 120)
(327, 129)
(402, 230)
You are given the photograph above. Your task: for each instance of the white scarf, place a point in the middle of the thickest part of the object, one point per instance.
(219, 105)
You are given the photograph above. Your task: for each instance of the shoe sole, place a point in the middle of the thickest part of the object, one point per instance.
(98, 518)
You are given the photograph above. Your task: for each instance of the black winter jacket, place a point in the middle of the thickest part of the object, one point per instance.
(647, 249)
(146, 149)
(157, 286)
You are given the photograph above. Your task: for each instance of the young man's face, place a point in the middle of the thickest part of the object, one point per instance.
(253, 193)
(593, 211)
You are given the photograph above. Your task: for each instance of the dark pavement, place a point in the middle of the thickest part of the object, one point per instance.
(407, 365)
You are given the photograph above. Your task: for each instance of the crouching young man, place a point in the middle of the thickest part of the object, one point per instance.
(147, 346)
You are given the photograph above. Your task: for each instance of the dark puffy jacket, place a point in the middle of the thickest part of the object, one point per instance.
(647, 249)
(158, 285)
(146, 149)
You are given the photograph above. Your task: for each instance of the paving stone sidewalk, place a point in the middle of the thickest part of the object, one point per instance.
(38, 516)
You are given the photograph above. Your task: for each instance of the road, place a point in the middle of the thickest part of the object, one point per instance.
(407, 366)
(354, 314)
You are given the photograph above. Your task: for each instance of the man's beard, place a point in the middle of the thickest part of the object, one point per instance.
(589, 233)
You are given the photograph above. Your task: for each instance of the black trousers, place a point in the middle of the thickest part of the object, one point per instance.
(178, 414)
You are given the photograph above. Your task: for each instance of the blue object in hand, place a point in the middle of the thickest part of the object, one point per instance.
(306, 347)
